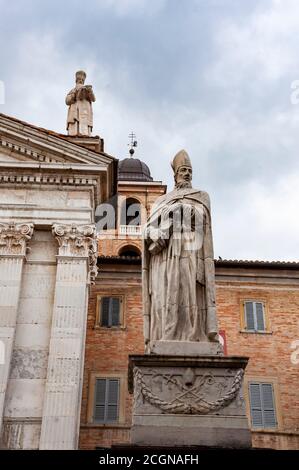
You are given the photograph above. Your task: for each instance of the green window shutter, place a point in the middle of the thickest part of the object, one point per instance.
(100, 399)
(255, 405)
(115, 311)
(262, 406)
(268, 406)
(249, 316)
(260, 321)
(110, 311)
(112, 400)
(106, 406)
(105, 303)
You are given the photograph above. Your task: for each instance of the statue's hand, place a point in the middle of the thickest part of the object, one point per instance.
(156, 247)
(167, 210)
(82, 93)
(89, 93)
(71, 98)
(147, 345)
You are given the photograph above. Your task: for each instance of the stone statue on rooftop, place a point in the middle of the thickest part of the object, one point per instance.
(79, 100)
(178, 264)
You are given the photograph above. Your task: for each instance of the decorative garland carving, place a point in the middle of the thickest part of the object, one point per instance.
(179, 405)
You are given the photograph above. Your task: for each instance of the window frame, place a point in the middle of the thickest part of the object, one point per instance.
(122, 299)
(106, 403)
(276, 398)
(243, 317)
(122, 378)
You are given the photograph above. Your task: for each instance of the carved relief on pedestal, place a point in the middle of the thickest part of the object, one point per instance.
(188, 392)
(78, 241)
(13, 238)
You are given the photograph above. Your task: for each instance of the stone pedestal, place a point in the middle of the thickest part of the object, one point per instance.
(188, 400)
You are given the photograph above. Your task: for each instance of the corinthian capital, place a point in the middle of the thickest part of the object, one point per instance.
(78, 241)
(14, 237)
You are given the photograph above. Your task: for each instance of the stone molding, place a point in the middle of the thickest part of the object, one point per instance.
(47, 179)
(27, 151)
(78, 241)
(14, 238)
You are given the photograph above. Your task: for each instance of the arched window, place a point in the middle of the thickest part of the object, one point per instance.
(131, 212)
(129, 250)
(130, 217)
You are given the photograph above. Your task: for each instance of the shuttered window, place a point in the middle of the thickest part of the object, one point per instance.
(106, 400)
(110, 311)
(262, 405)
(254, 316)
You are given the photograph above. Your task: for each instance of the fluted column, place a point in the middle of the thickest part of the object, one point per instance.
(76, 268)
(13, 242)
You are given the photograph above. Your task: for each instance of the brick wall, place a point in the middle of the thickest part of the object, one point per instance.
(107, 350)
(270, 354)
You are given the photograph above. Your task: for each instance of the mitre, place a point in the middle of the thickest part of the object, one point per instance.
(181, 159)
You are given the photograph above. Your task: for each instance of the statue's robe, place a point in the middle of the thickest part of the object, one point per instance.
(80, 115)
(179, 278)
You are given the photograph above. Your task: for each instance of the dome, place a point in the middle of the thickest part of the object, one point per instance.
(133, 169)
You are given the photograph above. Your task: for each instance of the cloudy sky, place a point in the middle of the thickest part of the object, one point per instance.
(211, 76)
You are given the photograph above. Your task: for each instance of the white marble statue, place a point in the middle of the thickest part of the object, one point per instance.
(178, 264)
(79, 100)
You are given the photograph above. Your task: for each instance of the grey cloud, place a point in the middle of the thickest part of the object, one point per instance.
(210, 76)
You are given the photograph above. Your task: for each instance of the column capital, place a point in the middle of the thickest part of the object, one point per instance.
(78, 241)
(14, 237)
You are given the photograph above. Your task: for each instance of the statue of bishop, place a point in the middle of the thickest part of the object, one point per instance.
(178, 264)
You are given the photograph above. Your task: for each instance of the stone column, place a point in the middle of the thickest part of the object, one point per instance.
(76, 268)
(13, 240)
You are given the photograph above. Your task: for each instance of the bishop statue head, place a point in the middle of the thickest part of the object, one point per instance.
(182, 169)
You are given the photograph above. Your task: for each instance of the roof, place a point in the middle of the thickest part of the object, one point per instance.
(218, 262)
(64, 137)
(133, 169)
(119, 259)
(236, 263)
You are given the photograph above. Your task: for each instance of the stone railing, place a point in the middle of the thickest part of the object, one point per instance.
(132, 230)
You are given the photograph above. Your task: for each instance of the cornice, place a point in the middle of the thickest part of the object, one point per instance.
(47, 179)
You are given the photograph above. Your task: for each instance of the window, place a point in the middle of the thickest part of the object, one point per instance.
(131, 212)
(254, 313)
(106, 403)
(262, 405)
(129, 250)
(110, 311)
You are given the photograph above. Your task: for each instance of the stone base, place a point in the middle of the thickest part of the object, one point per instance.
(186, 348)
(188, 401)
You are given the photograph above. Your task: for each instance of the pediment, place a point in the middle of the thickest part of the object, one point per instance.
(22, 142)
(9, 158)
